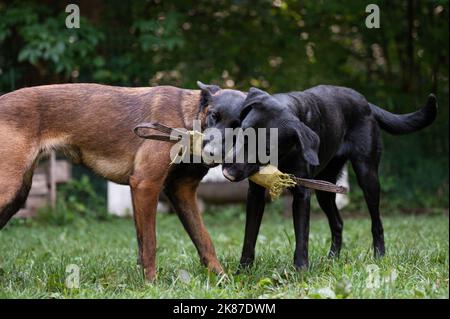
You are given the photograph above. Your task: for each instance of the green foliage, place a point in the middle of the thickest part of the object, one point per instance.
(62, 50)
(76, 199)
(276, 45)
(159, 34)
(46, 43)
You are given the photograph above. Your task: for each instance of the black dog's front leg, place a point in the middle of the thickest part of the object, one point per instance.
(300, 213)
(256, 201)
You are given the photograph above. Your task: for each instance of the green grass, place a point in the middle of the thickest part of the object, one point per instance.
(34, 257)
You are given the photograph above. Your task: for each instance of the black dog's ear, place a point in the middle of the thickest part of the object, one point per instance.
(208, 90)
(310, 143)
(255, 96)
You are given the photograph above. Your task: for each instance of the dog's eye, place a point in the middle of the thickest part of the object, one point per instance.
(215, 116)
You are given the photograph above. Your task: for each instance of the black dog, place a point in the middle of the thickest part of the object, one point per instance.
(319, 130)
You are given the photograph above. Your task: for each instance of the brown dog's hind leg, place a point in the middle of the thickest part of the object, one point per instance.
(12, 198)
(16, 172)
(182, 194)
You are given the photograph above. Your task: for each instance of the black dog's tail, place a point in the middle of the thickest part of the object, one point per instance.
(406, 123)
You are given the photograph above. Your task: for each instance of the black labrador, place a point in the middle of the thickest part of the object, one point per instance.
(319, 130)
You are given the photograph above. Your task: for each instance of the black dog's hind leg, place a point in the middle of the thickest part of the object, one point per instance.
(327, 201)
(300, 213)
(255, 209)
(367, 175)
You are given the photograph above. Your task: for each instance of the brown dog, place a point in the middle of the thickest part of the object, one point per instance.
(93, 125)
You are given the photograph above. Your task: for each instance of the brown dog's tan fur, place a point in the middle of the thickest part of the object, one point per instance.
(93, 125)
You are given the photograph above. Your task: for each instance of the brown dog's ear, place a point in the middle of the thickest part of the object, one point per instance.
(309, 142)
(208, 90)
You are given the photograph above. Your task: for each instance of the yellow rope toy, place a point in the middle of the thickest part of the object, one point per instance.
(268, 176)
(273, 180)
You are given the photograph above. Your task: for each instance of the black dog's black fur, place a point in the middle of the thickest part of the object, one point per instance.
(319, 130)
(224, 107)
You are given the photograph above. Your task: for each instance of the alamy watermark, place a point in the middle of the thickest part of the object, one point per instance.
(73, 276)
(375, 279)
(73, 18)
(225, 146)
(373, 19)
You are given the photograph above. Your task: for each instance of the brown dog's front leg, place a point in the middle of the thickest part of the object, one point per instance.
(182, 195)
(145, 199)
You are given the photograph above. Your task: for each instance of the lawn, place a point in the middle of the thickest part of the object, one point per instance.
(35, 254)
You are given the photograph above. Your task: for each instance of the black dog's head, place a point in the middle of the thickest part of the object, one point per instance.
(262, 110)
(222, 108)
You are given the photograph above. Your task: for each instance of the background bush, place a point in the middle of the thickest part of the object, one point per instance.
(276, 45)
(75, 199)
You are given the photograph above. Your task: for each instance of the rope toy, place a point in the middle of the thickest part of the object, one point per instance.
(268, 176)
(273, 180)
(172, 135)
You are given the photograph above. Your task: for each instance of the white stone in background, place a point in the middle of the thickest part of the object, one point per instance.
(342, 200)
(214, 175)
(119, 201)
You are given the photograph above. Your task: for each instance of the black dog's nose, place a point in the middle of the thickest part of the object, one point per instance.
(227, 175)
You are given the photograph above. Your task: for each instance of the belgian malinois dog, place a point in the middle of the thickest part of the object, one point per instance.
(93, 125)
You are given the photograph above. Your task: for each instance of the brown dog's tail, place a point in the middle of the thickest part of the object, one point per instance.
(406, 123)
